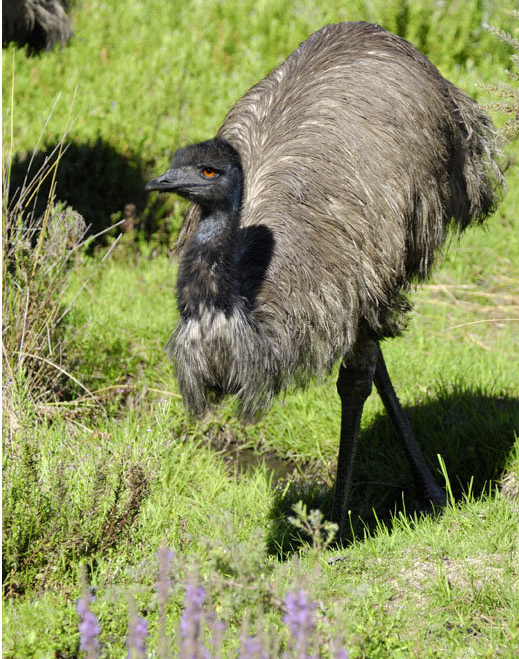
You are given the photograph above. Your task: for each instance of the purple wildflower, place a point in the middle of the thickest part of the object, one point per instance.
(165, 556)
(340, 653)
(140, 631)
(89, 628)
(137, 633)
(299, 618)
(217, 630)
(192, 647)
(252, 648)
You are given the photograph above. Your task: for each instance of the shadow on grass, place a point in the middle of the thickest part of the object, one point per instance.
(472, 431)
(98, 181)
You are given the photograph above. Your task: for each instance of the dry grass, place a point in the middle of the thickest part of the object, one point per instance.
(493, 306)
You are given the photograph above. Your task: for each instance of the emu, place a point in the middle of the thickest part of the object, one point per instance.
(39, 24)
(325, 194)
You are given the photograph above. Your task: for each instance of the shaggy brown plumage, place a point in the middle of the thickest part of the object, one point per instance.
(356, 154)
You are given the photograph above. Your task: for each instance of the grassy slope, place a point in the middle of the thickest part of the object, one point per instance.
(135, 471)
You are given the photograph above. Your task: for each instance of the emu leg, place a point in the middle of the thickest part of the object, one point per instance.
(427, 490)
(354, 386)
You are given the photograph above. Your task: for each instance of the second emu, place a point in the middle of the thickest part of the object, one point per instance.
(328, 189)
(38, 24)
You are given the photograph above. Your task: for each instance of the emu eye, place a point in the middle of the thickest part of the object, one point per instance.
(207, 172)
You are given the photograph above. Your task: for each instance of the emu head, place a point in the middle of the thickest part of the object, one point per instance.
(208, 173)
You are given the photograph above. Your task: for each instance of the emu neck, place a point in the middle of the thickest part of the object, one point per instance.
(207, 277)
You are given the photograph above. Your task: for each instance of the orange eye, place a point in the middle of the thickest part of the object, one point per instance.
(207, 172)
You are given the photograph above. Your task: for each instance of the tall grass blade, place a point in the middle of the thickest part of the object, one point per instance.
(443, 468)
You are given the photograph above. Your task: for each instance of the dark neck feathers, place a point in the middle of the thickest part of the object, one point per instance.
(207, 271)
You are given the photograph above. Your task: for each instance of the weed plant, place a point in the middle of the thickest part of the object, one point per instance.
(41, 252)
(200, 635)
(37, 250)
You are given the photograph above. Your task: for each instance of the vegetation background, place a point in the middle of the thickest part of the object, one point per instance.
(101, 467)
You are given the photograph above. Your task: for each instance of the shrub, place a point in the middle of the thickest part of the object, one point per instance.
(506, 92)
(41, 253)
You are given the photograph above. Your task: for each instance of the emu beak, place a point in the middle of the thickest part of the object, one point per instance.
(170, 180)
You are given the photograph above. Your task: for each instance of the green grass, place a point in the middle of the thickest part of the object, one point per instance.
(101, 474)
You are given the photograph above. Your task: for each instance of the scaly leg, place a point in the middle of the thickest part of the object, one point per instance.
(365, 365)
(354, 386)
(427, 490)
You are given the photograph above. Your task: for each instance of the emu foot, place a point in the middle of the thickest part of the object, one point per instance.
(432, 503)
